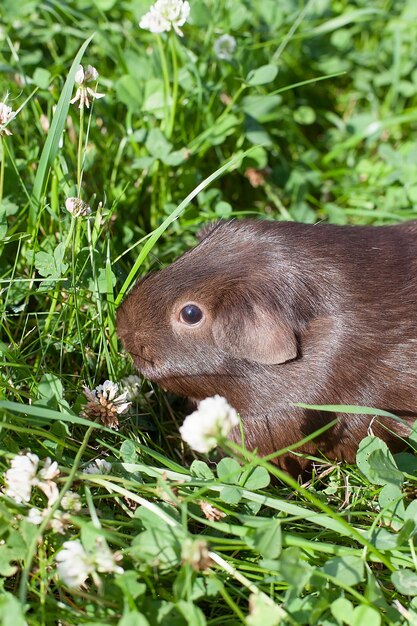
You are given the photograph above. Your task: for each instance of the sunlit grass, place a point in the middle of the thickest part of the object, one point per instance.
(309, 116)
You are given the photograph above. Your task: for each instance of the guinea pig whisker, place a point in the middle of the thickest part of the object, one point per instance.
(140, 356)
(156, 258)
(208, 376)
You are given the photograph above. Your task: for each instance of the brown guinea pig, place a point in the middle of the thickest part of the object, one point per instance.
(270, 314)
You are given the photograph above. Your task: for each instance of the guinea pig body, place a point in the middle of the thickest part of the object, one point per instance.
(270, 314)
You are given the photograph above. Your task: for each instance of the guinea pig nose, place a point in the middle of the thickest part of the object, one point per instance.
(191, 314)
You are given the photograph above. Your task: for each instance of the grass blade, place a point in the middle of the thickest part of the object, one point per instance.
(50, 148)
(47, 414)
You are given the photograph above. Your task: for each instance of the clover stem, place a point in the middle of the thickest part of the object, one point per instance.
(172, 43)
(80, 152)
(2, 151)
(38, 537)
(165, 75)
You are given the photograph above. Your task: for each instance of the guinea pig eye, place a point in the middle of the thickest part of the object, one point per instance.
(191, 314)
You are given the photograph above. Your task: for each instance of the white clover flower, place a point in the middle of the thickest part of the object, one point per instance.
(165, 15)
(77, 207)
(79, 75)
(224, 47)
(21, 477)
(104, 403)
(131, 386)
(71, 501)
(91, 74)
(49, 471)
(24, 474)
(6, 115)
(35, 516)
(50, 489)
(103, 466)
(212, 421)
(57, 523)
(74, 564)
(83, 92)
(154, 22)
(105, 560)
(45, 481)
(88, 76)
(99, 466)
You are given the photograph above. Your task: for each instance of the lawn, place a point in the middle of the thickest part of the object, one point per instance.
(278, 109)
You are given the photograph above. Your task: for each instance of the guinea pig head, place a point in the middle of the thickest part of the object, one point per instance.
(210, 321)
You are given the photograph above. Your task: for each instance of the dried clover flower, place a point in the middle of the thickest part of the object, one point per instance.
(211, 512)
(196, 553)
(255, 176)
(77, 207)
(105, 405)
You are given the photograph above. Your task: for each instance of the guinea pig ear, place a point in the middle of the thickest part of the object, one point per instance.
(261, 338)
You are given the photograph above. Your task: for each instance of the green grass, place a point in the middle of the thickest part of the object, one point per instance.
(318, 104)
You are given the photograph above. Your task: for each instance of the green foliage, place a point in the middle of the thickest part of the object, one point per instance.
(50, 264)
(405, 581)
(11, 611)
(312, 117)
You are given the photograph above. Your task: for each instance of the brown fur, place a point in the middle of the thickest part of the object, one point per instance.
(294, 313)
